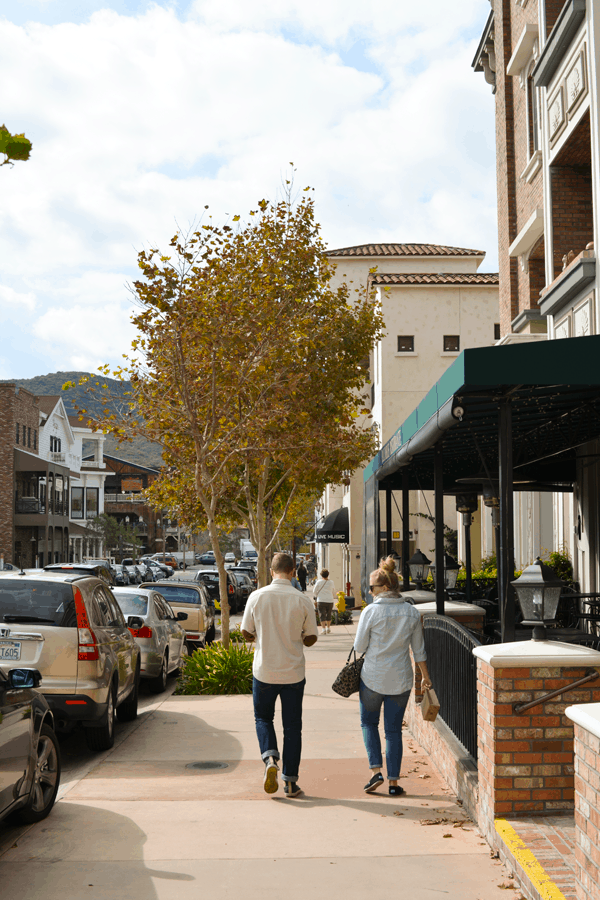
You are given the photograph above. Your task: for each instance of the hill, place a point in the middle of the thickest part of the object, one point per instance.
(138, 451)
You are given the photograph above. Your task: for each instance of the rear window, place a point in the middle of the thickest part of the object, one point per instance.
(50, 603)
(175, 593)
(132, 604)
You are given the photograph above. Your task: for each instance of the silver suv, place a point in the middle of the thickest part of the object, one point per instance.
(71, 628)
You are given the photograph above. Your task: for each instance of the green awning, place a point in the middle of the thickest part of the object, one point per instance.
(555, 391)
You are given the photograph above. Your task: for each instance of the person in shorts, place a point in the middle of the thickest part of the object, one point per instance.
(324, 597)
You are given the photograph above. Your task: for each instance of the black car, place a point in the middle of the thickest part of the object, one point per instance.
(249, 570)
(29, 751)
(206, 559)
(211, 580)
(245, 586)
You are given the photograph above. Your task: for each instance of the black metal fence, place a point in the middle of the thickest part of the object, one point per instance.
(453, 671)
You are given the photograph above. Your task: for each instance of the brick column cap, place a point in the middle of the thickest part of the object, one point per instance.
(587, 715)
(451, 607)
(525, 654)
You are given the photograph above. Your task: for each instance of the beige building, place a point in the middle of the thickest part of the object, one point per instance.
(435, 304)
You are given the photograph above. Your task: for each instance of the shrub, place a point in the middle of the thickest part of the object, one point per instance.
(216, 670)
(236, 636)
(342, 618)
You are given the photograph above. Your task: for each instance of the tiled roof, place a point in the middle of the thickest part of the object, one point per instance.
(403, 250)
(433, 278)
(47, 402)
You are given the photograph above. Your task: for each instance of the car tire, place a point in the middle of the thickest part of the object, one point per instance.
(102, 737)
(210, 634)
(128, 709)
(159, 684)
(46, 779)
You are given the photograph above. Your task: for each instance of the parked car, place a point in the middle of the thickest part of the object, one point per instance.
(245, 586)
(193, 599)
(163, 571)
(210, 578)
(207, 559)
(95, 569)
(121, 575)
(8, 567)
(29, 751)
(158, 631)
(148, 573)
(134, 575)
(70, 627)
(249, 569)
(167, 559)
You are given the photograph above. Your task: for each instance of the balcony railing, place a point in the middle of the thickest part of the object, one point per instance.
(92, 464)
(28, 505)
(58, 457)
(124, 498)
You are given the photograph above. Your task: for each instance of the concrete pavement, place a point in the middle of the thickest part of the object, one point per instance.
(142, 824)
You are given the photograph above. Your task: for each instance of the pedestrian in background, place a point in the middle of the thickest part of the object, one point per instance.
(302, 575)
(324, 596)
(295, 583)
(388, 628)
(282, 621)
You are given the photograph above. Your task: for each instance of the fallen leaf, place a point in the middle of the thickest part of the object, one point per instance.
(446, 835)
(397, 813)
(507, 887)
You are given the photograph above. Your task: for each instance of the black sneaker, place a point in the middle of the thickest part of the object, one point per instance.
(373, 784)
(291, 789)
(270, 780)
(396, 791)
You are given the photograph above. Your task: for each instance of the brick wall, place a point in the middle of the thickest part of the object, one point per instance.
(553, 8)
(587, 813)
(16, 405)
(525, 761)
(572, 211)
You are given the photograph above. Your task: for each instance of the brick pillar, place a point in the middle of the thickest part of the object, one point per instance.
(587, 799)
(525, 762)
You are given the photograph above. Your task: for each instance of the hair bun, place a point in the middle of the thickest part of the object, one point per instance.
(389, 564)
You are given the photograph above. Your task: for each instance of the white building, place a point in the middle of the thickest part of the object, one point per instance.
(435, 303)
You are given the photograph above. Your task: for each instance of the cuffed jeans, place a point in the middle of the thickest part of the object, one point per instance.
(264, 696)
(393, 715)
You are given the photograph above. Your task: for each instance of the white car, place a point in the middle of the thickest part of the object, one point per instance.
(157, 631)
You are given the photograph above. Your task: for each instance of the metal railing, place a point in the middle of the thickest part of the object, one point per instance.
(453, 671)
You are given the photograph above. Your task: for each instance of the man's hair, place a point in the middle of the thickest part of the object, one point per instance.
(324, 573)
(282, 562)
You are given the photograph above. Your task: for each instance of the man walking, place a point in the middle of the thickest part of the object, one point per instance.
(282, 621)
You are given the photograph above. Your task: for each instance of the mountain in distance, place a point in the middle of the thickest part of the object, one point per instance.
(139, 451)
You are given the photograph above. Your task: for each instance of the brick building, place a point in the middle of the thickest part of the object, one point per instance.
(541, 59)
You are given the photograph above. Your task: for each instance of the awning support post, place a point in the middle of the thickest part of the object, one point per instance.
(468, 566)
(388, 521)
(506, 569)
(438, 481)
(405, 531)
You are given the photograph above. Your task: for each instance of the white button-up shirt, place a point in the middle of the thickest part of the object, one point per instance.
(387, 628)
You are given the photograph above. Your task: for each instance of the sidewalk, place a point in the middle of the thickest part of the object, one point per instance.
(144, 825)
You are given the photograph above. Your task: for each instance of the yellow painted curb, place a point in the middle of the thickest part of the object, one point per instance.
(525, 858)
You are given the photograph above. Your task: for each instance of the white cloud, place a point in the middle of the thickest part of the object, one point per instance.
(139, 121)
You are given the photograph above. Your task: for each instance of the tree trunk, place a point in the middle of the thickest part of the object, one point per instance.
(223, 595)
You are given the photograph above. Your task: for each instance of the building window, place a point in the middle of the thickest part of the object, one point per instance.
(497, 331)
(17, 427)
(406, 343)
(29, 437)
(55, 445)
(451, 343)
(77, 503)
(35, 439)
(532, 117)
(91, 503)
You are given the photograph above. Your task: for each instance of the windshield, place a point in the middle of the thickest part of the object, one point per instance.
(132, 604)
(40, 601)
(177, 593)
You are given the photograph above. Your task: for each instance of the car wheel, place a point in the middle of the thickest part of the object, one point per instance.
(102, 737)
(159, 684)
(210, 634)
(46, 779)
(128, 709)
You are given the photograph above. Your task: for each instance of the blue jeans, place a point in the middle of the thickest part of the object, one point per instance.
(264, 696)
(393, 715)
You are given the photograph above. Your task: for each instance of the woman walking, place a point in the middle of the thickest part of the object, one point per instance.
(387, 629)
(323, 595)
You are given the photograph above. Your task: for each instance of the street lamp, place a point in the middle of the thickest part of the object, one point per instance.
(419, 565)
(538, 591)
(451, 569)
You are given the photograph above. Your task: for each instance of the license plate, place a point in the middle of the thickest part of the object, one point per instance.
(10, 650)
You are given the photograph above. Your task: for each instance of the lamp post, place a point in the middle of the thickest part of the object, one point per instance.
(451, 568)
(538, 591)
(467, 505)
(419, 565)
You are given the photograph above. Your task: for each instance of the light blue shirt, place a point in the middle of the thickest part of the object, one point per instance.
(387, 629)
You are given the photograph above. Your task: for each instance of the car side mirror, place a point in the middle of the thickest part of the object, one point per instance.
(181, 616)
(24, 678)
(135, 622)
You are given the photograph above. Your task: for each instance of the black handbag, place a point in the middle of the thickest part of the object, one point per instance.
(348, 681)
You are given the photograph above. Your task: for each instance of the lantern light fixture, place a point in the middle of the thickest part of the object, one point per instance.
(451, 570)
(538, 591)
(419, 565)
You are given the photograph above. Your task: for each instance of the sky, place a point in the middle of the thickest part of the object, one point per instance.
(141, 114)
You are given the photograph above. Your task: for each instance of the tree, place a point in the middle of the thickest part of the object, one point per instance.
(115, 534)
(13, 146)
(248, 369)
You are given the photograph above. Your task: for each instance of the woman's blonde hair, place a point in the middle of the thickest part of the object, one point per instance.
(385, 575)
